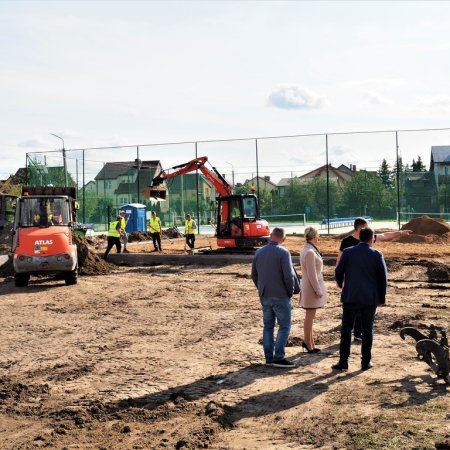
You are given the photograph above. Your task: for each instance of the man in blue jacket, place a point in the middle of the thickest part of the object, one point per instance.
(276, 280)
(363, 275)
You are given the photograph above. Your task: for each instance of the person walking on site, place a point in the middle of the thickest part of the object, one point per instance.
(114, 233)
(124, 233)
(155, 231)
(189, 231)
(313, 294)
(363, 275)
(276, 280)
(351, 241)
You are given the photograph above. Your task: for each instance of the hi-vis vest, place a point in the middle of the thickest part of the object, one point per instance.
(113, 229)
(123, 223)
(189, 227)
(155, 225)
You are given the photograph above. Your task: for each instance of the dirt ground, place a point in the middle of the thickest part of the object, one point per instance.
(170, 357)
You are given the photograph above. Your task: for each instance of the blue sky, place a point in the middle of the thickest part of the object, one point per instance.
(123, 73)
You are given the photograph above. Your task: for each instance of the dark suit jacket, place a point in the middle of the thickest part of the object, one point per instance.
(273, 273)
(362, 271)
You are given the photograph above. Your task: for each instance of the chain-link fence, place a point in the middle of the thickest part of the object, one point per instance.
(391, 176)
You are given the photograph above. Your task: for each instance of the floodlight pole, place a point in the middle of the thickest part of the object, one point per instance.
(232, 173)
(64, 158)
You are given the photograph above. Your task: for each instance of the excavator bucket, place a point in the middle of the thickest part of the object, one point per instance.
(155, 192)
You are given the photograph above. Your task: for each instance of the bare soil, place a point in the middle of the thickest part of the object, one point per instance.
(170, 357)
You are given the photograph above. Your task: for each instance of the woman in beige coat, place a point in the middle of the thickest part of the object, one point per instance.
(313, 293)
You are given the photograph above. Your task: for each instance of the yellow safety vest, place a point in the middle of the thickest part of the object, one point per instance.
(123, 223)
(189, 227)
(155, 225)
(113, 229)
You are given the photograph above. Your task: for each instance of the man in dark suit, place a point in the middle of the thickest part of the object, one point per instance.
(363, 275)
(276, 280)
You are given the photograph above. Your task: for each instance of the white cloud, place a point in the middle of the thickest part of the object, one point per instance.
(435, 103)
(374, 98)
(294, 96)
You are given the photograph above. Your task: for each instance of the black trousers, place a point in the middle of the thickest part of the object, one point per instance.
(156, 237)
(190, 240)
(113, 241)
(349, 312)
(357, 331)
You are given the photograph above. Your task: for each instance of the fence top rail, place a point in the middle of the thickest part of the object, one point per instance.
(334, 133)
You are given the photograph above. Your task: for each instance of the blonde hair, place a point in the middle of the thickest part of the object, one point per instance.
(310, 233)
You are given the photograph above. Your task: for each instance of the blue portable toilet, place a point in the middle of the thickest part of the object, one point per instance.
(135, 213)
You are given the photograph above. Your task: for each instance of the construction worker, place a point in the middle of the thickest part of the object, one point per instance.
(155, 231)
(189, 231)
(124, 233)
(114, 232)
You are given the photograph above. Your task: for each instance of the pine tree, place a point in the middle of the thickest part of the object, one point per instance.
(385, 174)
(418, 166)
(400, 166)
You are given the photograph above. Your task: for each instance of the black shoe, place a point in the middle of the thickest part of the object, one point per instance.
(283, 363)
(310, 350)
(367, 366)
(269, 363)
(340, 367)
(357, 339)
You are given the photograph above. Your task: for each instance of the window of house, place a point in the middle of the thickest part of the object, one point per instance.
(108, 184)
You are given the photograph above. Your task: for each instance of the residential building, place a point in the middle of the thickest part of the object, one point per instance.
(122, 181)
(264, 183)
(183, 189)
(440, 163)
(340, 175)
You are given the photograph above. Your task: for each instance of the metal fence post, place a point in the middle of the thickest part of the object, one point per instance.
(398, 180)
(138, 170)
(196, 179)
(84, 193)
(257, 168)
(26, 168)
(328, 183)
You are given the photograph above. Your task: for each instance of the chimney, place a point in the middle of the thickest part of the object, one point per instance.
(266, 178)
(353, 168)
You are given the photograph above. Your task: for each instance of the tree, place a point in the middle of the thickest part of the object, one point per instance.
(365, 194)
(311, 193)
(418, 166)
(385, 174)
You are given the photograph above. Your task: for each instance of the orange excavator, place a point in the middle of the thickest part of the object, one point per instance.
(238, 221)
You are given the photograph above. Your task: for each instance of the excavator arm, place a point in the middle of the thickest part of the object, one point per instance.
(157, 191)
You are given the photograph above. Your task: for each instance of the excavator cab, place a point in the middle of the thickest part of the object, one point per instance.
(238, 222)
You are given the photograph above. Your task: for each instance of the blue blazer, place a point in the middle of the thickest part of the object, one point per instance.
(362, 271)
(273, 273)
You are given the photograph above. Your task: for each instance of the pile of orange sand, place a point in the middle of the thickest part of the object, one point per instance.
(426, 229)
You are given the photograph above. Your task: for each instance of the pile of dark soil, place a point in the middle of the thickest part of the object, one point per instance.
(6, 269)
(438, 272)
(139, 236)
(6, 238)
(171, 233)
(89, 263)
